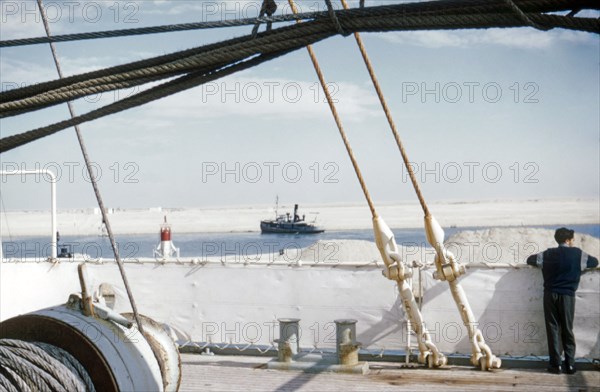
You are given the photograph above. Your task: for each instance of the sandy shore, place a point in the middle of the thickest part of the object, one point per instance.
(332, 217)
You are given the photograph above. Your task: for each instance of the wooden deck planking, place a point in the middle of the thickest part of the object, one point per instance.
(246, 373)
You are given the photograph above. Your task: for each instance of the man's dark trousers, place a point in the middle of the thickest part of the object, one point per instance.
(559, 311)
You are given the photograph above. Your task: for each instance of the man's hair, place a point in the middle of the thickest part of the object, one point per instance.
(563, 234)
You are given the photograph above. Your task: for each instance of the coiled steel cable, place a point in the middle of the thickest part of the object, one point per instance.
(34, 366)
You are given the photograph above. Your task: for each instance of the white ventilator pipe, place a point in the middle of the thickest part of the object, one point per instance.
(395, 270)
(49, 173)
(447, 268)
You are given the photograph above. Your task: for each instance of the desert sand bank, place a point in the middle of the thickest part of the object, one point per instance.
(505, 245)
(331, 217)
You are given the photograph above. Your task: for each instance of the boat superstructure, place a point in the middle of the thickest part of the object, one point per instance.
(289, 224)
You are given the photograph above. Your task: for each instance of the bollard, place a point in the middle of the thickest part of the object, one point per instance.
(288, 344)
(290, 358)
(346, 345)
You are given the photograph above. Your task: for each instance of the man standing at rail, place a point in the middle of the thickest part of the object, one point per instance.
(561, 268)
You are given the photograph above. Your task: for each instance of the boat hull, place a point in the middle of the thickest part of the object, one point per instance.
(289, 228)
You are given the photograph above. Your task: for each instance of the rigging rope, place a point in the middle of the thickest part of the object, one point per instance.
(391, 122)
(449, 14)
(524, 16)
(334, 18)
(223, 23)
(160, 29)
(161, 91)
(481, 352)
(337, 119)
(35, 366)
(93, 180)
(214, 57)
(403, 18)
(323, 26)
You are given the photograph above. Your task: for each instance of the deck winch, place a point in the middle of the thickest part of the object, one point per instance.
(116, 356)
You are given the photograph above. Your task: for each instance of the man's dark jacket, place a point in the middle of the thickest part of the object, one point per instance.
(562, 268)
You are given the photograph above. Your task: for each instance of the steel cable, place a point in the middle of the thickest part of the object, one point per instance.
(93, 179)
(137, 77)
(161, 91)
(160, 29)
(47, 96)
(212, 59)
(541, 6)
(34, 366)
(399, 17)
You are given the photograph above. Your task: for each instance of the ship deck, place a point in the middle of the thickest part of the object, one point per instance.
(249, 373)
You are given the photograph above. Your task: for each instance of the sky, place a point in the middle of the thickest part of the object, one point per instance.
(484, 115)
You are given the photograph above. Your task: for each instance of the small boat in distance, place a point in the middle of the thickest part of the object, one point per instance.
(289, 224)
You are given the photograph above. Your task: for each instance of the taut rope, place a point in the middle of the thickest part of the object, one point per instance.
(337, 119)
(388, 115)
(211, 59)
(93, 180)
